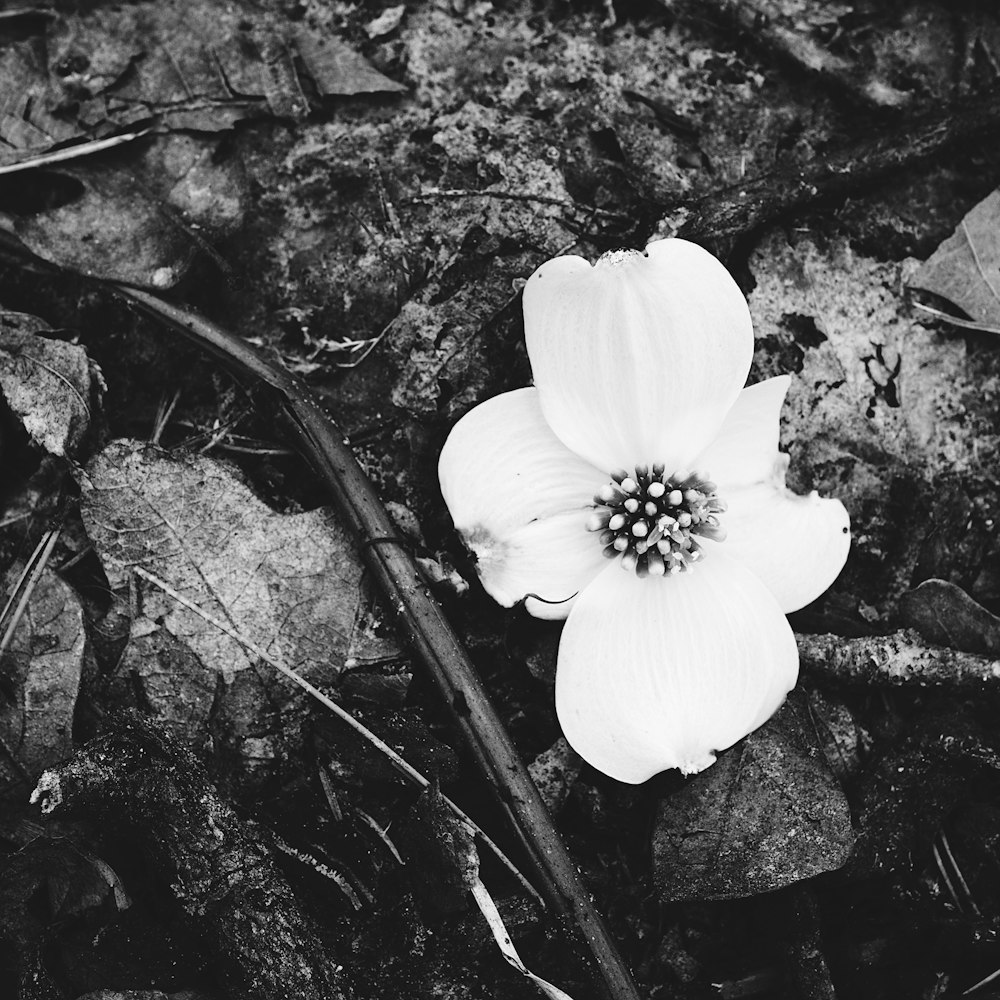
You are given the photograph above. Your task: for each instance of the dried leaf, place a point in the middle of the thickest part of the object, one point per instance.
(291, 584)
(40, 678)
(337, 70)
(49, 881)
(965, 269)
(173, 64)
(49, 385)
(768, 813)
(143, 220)
(890, 416)
(944, 613)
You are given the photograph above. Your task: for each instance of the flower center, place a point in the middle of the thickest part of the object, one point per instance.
(651, 520)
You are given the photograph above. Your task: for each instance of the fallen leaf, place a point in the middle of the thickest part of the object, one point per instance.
(944, 613)
(40, 678)
(767, 814)
(965, 269)
(168, 65)
(49, 385)
(143, 219)
(49, 881)
(290, 583)
(844, 741)
(890, 416)
(337, 70)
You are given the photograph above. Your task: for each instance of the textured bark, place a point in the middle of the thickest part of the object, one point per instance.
(897, 660)
(221, 875)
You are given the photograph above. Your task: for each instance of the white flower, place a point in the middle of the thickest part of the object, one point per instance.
(639, 364)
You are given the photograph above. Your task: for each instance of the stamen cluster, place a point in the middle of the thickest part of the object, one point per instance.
(651, 520)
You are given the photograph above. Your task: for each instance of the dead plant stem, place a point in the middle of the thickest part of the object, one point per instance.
(423, 623)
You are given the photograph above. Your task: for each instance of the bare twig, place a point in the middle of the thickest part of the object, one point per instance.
(73, 152)
(897, 660)
(423, 623)
(17, 603)
(401, 765)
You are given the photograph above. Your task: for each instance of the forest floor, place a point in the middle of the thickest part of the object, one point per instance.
(360, 190)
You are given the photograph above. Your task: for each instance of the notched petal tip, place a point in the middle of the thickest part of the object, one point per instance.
(601, 338)
(797, 545)
(659, 674)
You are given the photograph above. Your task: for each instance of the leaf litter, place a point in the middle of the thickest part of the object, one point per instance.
(48, 384)
(768, 813)
(289, 583)
(885, 410)
(172, 65)
(965, 269)
(41, 669)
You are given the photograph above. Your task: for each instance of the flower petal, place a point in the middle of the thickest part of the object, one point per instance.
(661, 672)
(521, 501)
(797, 545)
(638, 358)
(746, 447)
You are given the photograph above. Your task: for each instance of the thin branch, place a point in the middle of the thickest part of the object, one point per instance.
(901, 659)
(12, 613)
(423, 623)
(73, 152)
(400, 763)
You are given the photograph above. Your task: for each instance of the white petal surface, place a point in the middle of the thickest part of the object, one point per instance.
(746, 447)
(663, 672)
(640, 357)
(797, 545)
(521, 500)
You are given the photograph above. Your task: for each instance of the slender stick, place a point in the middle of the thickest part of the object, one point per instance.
(400, 763)
(424, 625)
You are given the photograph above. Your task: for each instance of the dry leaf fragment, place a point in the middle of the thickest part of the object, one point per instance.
(144, 219)
(291, 584)
(891, 416)
(171, 64)
(944, 613)
(769, 813)
(965, 269)
(337, 70)
(49, 385)
(40, 678)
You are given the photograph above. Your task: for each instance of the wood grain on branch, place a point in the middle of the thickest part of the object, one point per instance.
(220, 872)
(900, 659)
